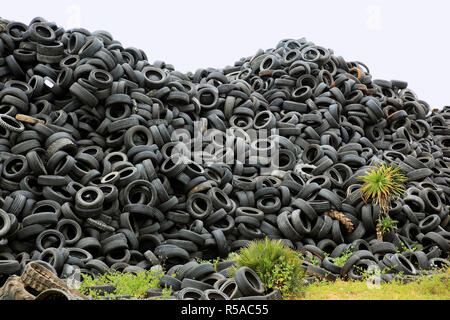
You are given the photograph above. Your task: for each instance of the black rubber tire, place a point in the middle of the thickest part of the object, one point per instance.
(337, 252)
(116, 242)
(351, 261)
(189, 294)
(56, 259)
(11, 124)
(436, 238)
(72, 223)
(231, 289)
(5, 224)
(383, 247)
(221, 242)
(94, 202)
(433, 202)
(200, 271)
(418, 259)
(401, 264)
(225, 264)
(302, 226)
(318, 272)
(328, 264)
(185, 268)
(167, 251)
(191, 283)
(355, 274)
(151, 258)
(430, 223)
(439, 263)
(286, 228)
(314, 250)
(170, 282)
(213, 294)
(248, 282)
(40, 237)
(8, 267)
(214, 279)
(98, 265)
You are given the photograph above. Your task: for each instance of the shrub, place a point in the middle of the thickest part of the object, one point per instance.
(278, 266)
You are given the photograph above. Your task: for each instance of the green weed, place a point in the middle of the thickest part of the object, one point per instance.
(134, 285)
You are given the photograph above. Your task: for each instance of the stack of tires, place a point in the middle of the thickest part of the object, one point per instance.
(93, 175)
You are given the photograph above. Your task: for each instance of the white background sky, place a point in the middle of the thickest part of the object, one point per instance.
(404, 40)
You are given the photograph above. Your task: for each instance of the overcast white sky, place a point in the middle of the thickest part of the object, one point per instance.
(405, 40)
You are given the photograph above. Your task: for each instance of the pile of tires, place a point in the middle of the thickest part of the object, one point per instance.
(93, 175)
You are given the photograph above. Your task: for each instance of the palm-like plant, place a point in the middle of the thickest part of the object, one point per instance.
(382, 183)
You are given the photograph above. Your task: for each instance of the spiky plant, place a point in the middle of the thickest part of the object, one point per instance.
(382, 183)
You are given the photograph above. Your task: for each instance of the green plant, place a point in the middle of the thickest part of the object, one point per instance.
(403, 248)
(213, 262)
(131, 284)
(232, 256)
(309, 258)
(381, 184)
(166, 293)
(387, 224)
(376, 271)
(314, 260)
(278, 266)
(342, 259)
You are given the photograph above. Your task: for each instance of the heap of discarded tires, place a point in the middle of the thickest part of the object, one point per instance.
(92, 177)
